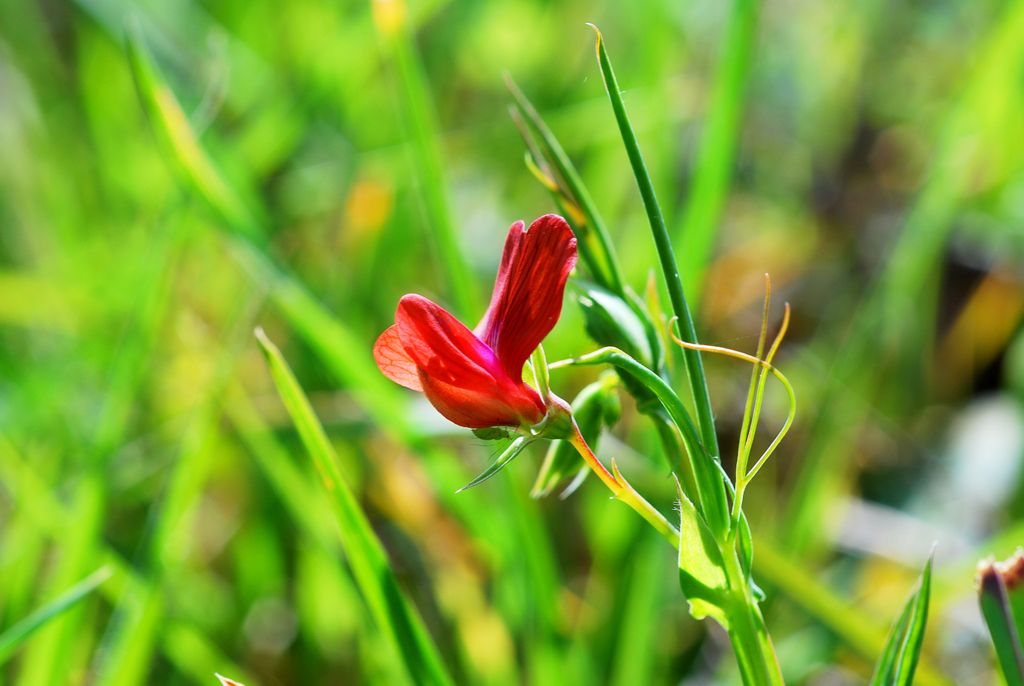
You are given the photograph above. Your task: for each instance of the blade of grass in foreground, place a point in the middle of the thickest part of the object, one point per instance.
(14, 636)
(819, 601)
(903, 648)
(392, 612)
(715, 511)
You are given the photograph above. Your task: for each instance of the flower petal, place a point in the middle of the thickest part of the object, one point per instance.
(441, 346)
(482, 407)
(459, 373)
(527, 298)
(394, 362)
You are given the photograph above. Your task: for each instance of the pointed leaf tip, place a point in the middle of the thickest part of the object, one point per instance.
(511, 452)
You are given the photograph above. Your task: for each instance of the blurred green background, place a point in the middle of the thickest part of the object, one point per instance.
(869, 155)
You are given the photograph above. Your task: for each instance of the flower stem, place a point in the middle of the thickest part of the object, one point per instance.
(710, 485)
(621, 489)
(748, 634)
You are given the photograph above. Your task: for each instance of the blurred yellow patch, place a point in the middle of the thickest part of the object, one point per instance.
(367, 209)
(389, 15)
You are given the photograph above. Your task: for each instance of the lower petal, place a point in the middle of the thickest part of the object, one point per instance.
(480, 408)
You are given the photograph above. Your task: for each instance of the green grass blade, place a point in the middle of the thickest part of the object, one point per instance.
(807, 591)
(178, 140)
(902, 651)
(393, 613)
(718, 521)
(1004, 624)
(716, 158)
(15, 635)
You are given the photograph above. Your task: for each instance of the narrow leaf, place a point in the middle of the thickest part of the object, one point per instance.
(391, 610)
(511, 452)
(715, 511)
(902, 650)
(701, 574)
(587, 223)
(995, 581)
(170, 124)
(17, 634)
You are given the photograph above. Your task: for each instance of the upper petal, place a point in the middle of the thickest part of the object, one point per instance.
(441, 346)
(394, 362)
(527, 298)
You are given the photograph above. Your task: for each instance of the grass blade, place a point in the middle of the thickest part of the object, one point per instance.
(176, 137)
(902, 649)
(392, 612)
(819, 601)
(715, 511)
(15, 635)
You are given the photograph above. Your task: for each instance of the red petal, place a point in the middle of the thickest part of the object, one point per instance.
(394, 362)
(459, 373)
(527, 298)
(441, 346)
(477, 408)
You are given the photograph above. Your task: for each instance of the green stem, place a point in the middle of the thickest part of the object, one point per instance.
(672, 443)
(710, 485)
(669, 266)
(621, 489)
(748, 634)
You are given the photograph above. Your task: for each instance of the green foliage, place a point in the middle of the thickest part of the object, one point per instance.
(176, 174)
(391, 610)
(14, 636)
(701, 574)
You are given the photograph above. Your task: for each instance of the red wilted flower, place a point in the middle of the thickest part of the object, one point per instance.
(475, 378)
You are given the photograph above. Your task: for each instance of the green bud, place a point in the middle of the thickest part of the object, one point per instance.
(610, 320)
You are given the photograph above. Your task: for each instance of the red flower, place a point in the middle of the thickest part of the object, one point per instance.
(475, 378)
